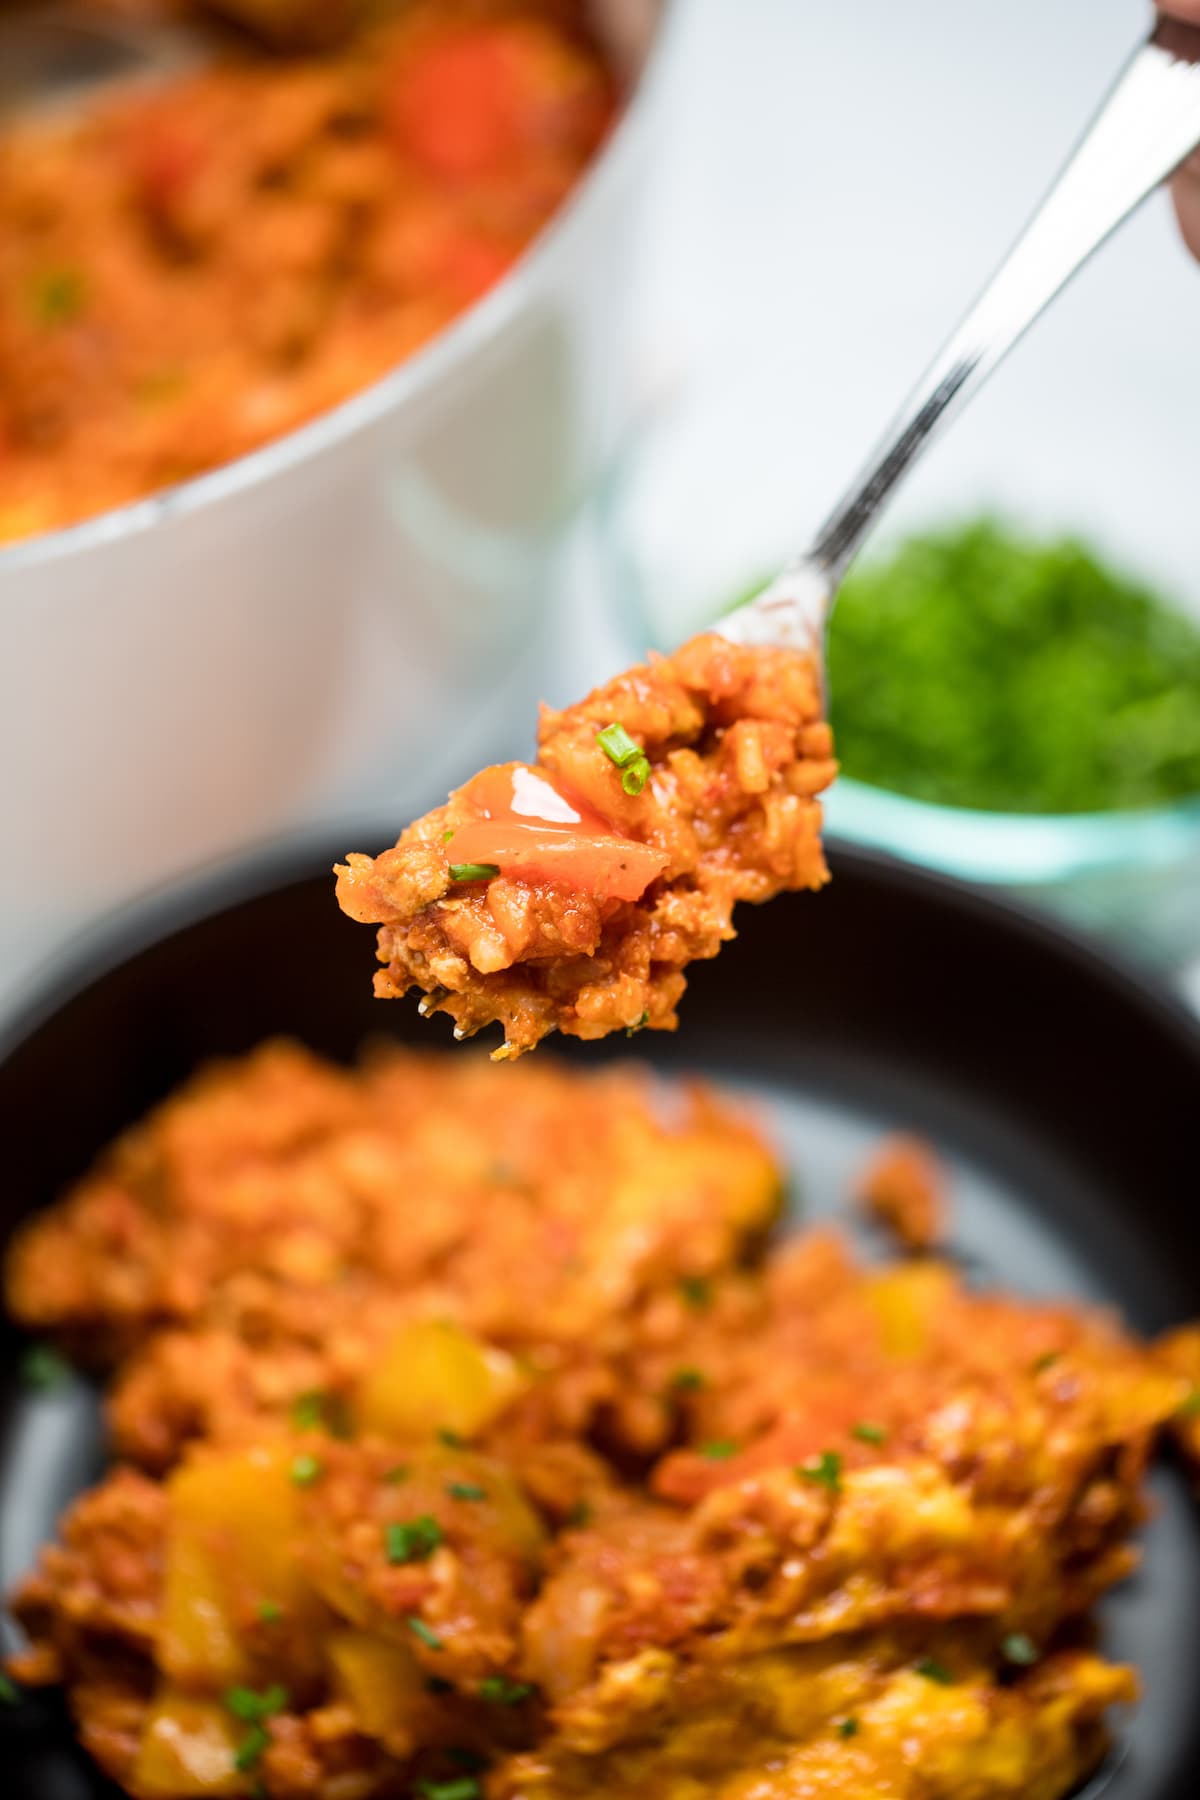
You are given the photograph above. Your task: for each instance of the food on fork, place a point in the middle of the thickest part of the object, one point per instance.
(571, 894)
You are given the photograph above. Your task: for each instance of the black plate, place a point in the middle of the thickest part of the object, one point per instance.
(1063, 1089)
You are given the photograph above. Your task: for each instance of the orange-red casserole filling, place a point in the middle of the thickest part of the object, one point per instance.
(188, 271)
(571, 895)
(481, 1447)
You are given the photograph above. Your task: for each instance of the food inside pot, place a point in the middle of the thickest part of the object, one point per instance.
(190, 269)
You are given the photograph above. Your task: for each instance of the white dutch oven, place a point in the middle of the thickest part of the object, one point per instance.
(344, 619)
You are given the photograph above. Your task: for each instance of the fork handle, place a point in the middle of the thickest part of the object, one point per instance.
(1149, 124)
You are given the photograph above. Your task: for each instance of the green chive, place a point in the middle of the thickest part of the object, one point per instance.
(500, 1691)
(43, 1368)
(413, 1541)
(463, 1787)
(308, 1411)
(686, 1381)
(473, 871)
(249, 1751)
(453, 1440)
(10, 1693)
(848, 1728)
(465, 1490)
(825, 1470)
(58, 296)
(635, 777)
(868, 1433)
(696, 1290)
(580, 1514)
(305, 1469)
(1191, 1406)
(270, 1612)
(397, 1473)
(638, 1025)
(447, 834)
(933, 1670)
(1020, 1649)
(1046, 1361)
(252, 1707)
(420, 1629)
(618, 746)
(720, 1450)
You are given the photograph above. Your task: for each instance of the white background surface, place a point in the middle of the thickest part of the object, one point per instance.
(837, 179)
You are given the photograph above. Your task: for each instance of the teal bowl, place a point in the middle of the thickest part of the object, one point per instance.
(1132, 875)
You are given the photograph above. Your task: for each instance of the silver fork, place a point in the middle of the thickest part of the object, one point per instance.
(1148, 126)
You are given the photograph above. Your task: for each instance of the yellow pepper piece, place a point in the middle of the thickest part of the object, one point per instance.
(188, 1747)
(905, 1299)
(230, 1543)
(383, 1685)
(434, 1376)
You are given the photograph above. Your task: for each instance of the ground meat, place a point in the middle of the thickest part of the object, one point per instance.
(587, 928)
(295, 1215)
(188, 271)
(563, 1482)
(903, 1188)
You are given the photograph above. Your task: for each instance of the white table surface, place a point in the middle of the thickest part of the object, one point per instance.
(836, 181)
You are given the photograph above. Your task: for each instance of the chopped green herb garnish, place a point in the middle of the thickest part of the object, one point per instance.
(618, 746)
(465, 1490)
(308, 1410)
(421, 1630)
(453, 1440)
(1190, 1408)
(58, 296)
(1036, 677)
(720, 1450)
(635, 777)
(933, 1670)
(848, 1728)
(415, 1540)
(10, 1693)
(639, 1024)
(447, 834)
(580, 1514)
(500, 1691)
(627, 754)
(825, 1470)
(249, 1751)
(1046, 1361)
(696, 1290)
(306, 1469)
(397, 1473)
(686, 1381)
(473, 871)
(463, 1787)
(869, 1433)
(270, 1612)
(252, 1708)
(43, 1368)
(1020, 1649)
